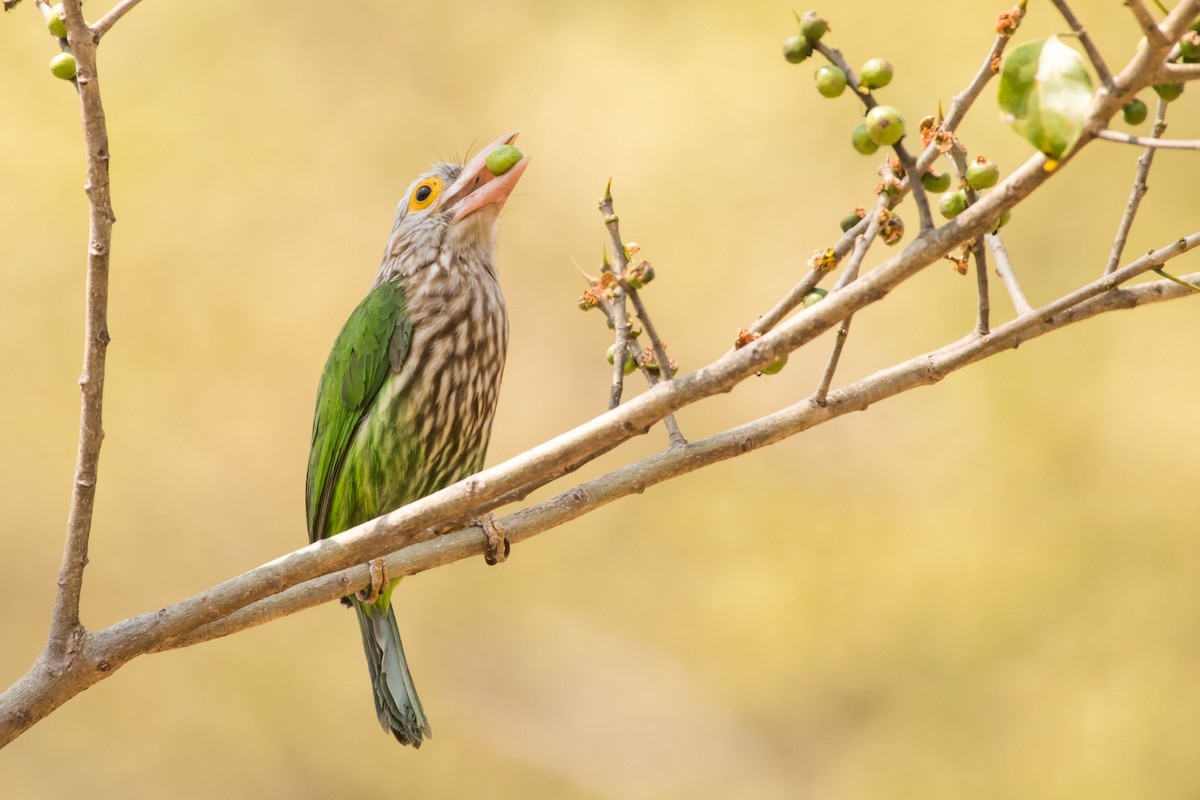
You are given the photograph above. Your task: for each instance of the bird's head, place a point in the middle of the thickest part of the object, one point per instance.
(451, 210)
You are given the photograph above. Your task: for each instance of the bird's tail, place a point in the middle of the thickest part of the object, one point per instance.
(396, 702)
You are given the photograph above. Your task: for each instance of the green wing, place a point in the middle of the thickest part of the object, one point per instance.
(373, 342)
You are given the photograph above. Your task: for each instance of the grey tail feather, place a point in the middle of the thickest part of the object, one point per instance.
(396, 702)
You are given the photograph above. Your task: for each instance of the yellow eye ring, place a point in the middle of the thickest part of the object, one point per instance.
(424, 194)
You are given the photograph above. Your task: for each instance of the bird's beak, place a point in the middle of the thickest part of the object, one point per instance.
(477, 187)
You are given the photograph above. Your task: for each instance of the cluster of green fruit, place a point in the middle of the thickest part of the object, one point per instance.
(981, 174)
(883, 126)
(63, 64)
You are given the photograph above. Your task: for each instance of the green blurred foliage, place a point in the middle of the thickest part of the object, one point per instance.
(984, 589)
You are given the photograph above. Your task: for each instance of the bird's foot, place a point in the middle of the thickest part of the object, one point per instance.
(378, 581)
(498, 546)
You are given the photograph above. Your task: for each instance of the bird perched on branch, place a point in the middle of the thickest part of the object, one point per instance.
(406, 399)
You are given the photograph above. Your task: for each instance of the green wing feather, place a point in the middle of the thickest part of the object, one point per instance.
(373, 343)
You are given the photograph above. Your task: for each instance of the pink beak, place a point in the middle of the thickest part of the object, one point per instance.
(477, 187)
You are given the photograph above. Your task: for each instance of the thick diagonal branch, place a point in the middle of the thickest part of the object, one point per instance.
(635, 478)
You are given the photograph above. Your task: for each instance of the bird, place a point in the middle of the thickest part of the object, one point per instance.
(407, 396)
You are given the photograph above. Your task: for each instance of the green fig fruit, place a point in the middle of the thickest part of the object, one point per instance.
(831, 81)
(774, 367)
(55, 23)
(814, 297)
(502, 159)
(885, 125)
(796, 49)
(813, 26)
(953, 203)
(876, 73)
(936, 183)
(982, 174)
(1168, 91)
(860, 139)
(63, 66)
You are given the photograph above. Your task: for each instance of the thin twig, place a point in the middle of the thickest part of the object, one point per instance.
(821, 395)
(1138, 191)
(616, 309)
(674, 434)
(1178, 73)
(962, 102)
(1007, 276)
(621, 319)
(983, 320)
(1152, 31)
(796, 294)
(1089, 47)
(65, 628)
(652, 377)
(620, 345)
(1177, 21)
(848, 276)
(1148, 141)
(1186, 283)
(862, 244)
(959, 156)
(108, 20)
(920, 197)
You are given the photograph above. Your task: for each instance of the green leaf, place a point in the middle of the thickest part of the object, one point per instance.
(1045, 90)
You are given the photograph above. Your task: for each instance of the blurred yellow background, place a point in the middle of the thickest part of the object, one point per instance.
(985, 589)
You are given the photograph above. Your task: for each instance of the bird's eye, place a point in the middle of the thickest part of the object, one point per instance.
(425, 193)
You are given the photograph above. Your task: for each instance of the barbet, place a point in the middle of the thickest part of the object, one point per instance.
(406, 400)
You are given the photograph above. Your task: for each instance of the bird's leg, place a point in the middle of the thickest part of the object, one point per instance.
(498, 546)
(378, 580)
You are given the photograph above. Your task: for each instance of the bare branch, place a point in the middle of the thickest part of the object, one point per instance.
(982, 321)
(619, 315)
(620, 344)
(1178, 73)
(915, 185)
(1089, 46)
(65, 628)
(1153, 34)
(674, 434)
(1009, 278)
(1180, 281)
(1148, 141)
(1138, 191)
(849, 274)
(1173, 27)
(820, 396)
(108, 20)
